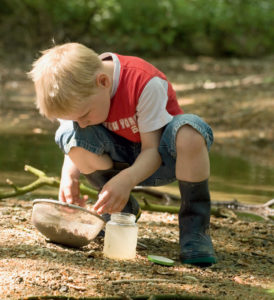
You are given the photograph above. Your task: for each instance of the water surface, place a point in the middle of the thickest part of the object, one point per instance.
(231, 177)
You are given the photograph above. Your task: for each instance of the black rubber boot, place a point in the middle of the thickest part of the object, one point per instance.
(99, 178)
(194, 218)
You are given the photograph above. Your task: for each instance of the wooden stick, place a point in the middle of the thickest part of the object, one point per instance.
(264, 211)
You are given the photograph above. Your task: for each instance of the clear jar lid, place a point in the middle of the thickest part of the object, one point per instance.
(123, 218)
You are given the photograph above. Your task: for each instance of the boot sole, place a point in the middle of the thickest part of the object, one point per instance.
(200, 261)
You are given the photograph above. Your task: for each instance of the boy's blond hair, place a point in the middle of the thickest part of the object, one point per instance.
(64, 76)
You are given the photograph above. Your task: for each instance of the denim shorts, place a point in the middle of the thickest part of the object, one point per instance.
(100, 140)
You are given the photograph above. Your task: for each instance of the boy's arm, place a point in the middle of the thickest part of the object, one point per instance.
(115, 193)
(149, 159)
(69, 185)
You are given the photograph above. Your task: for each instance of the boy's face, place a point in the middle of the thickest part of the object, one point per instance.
(93, 111)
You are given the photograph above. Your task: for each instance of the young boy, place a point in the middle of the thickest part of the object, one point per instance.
(121, 126)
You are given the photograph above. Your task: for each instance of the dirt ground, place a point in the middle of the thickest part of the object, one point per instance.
(31, 266)
(236, 97)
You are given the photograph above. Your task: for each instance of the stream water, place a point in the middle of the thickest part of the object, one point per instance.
(231, 177)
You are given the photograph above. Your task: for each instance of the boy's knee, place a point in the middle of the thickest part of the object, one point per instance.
(88, 162)
(189, 140)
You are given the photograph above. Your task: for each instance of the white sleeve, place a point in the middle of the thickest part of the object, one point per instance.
(151, 108)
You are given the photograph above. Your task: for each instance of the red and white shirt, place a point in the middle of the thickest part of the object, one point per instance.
(142, 99)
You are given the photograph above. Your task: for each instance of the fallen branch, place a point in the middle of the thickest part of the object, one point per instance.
(42, 180)
(263, 210)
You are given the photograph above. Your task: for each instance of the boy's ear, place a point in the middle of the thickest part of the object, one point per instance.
(103, 80)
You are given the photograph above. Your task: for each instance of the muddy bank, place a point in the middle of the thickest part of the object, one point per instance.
(236, 97)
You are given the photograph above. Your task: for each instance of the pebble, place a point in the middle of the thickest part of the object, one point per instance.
(63, 289)
(19, 280)
(190, 278)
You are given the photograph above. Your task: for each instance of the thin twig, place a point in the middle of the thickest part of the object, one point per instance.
(263, 238)
(122, 281)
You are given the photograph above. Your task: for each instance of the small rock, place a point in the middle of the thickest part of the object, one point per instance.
(238, 279)
(91, 254)
(19, 279)
(63, 289)
(164, 272)
(191, 278)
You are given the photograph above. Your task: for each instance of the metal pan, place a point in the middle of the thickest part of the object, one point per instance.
(66, 224)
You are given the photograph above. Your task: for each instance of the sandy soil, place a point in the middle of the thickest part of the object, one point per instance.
(32, 266)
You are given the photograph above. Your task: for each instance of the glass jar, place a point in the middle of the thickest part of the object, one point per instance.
(121, 236)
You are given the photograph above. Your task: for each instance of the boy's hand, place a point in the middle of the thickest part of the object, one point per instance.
(69, 191)
(114, 195)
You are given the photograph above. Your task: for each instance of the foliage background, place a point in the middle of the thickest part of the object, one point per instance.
(242, 28)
